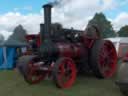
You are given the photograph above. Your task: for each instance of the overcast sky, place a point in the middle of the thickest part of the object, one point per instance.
(71, 13)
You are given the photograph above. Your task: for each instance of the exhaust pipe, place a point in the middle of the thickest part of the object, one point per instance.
(45, 28)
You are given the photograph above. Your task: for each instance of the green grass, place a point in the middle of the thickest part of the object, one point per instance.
(12, 84)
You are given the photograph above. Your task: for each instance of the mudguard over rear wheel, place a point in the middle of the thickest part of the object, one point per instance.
(64, 72)
(103, 59)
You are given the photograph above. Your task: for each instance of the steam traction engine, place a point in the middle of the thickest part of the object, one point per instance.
(63, 53)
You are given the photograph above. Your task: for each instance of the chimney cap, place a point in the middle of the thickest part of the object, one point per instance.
(47, 5)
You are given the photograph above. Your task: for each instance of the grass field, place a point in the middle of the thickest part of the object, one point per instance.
(12, 84)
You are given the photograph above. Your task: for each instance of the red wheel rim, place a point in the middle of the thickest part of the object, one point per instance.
(34, 75)
(107, 59)
(66, 74)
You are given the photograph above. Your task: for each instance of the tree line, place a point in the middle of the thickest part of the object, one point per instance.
(105, 27)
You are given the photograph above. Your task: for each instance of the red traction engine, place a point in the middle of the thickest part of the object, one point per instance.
(64, 53)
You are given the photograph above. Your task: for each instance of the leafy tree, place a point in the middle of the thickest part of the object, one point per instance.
(123, 32)
(1, 38)
(18, 34)
(104, 26)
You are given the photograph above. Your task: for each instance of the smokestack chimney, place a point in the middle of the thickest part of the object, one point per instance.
(46, 28)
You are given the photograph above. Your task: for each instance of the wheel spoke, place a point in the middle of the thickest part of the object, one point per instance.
(107, 59)
(34, 76)
(67, 73)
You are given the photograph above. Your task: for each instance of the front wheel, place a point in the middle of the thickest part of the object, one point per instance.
(64, 72)
(29, 68)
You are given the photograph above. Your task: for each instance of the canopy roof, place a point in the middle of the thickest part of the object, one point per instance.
(14, 43)
(119, 39)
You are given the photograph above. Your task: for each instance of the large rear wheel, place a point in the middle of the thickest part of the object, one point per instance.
(103, 59)
(64, 72)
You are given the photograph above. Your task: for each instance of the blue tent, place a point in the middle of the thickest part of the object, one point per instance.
(8, 53)
(8, 58)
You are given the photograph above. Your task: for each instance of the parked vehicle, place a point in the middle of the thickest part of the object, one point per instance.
(121, 44)
(122, 80)
(62, 53)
